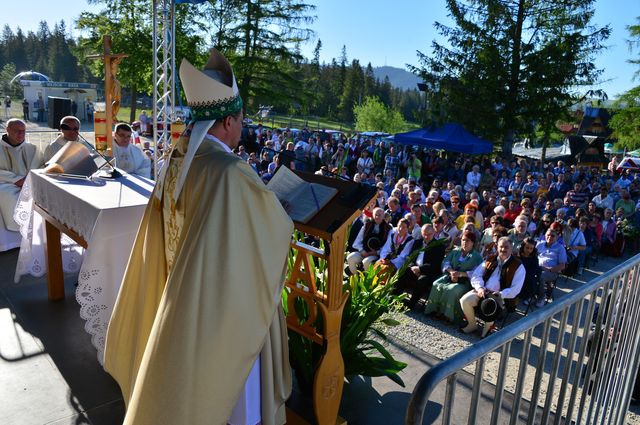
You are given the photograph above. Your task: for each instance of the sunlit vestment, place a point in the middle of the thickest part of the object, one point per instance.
(15, 163)
(200, 300)
(132, 160)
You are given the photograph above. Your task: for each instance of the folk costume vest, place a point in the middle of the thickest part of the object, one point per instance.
(397, 246)
(374, 240)
(507, 272)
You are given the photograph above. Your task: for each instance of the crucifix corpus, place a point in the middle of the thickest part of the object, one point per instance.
(112, 90)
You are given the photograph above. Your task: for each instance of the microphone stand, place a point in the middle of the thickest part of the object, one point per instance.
(114, 173)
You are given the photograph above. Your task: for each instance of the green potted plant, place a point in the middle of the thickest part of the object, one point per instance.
(361, 336)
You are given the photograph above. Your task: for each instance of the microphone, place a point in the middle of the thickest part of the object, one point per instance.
(114, 173)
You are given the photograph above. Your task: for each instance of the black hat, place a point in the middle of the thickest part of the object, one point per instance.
(491, 308)
(374, 244)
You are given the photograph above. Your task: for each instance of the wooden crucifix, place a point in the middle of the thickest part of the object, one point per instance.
(112, 90)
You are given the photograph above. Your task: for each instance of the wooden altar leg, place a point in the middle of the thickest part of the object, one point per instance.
(329, 378)
(55, 277)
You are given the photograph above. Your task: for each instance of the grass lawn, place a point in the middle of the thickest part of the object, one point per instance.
(124, 111)
(313, 123)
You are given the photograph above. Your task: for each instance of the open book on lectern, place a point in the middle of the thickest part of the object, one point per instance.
(302, 200)
(76, 160)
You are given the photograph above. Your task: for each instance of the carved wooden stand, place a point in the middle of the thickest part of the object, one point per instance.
(330, 224)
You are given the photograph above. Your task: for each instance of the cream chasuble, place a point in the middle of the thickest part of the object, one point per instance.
(15, 163)
(132, 160)
(197, 306)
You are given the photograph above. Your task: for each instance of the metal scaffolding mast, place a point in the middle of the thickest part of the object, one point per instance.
(164, 82)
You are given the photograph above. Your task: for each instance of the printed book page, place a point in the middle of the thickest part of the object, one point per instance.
(302, 200)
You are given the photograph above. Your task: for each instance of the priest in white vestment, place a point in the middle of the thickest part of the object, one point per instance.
(198, 335)
(17, 157)
(69, 131)
(129, 157)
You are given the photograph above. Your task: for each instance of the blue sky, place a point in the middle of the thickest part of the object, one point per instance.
(381, 31)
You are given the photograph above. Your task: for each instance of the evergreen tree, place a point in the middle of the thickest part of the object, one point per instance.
(352, 91)
(130, 25)
(369, 81)
(508, 63)
(259, 45)
(626, 121)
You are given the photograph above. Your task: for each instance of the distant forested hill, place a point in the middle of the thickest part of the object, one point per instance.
(398, 77)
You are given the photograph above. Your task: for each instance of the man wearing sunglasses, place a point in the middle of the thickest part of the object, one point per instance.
(69, 131)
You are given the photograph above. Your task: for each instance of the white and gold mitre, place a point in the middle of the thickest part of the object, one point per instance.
(212, 93)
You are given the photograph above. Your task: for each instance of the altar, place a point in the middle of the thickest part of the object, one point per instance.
(86, 225)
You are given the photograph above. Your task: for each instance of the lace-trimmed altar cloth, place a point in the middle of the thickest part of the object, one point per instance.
(106, 214)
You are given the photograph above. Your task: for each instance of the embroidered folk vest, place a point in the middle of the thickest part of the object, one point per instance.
(370, 233)
(506, 273)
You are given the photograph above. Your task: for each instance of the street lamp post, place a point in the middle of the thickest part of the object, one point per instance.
(424, 116)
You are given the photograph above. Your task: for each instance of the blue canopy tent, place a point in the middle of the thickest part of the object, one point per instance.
(450, 137)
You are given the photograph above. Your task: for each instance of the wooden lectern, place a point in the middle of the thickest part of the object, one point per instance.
(330, 224)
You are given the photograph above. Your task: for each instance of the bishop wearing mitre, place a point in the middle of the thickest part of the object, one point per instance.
(198, 335)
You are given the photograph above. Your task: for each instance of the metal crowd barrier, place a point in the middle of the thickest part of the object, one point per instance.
(41, 138)
(589, 376)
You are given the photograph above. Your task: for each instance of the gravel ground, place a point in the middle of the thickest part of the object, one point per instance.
(443, 340)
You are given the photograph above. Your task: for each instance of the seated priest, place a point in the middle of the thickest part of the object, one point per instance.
(371, 237)
(424, 268)
(503, 274)
(69, 131)
(129, 157)
(17, 157)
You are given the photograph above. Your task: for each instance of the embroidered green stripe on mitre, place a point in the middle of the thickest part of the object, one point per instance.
(206, 111)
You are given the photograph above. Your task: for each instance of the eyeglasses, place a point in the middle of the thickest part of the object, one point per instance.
(546, 221)
(67, 127)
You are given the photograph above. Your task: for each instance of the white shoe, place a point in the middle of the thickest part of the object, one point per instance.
(488, 327)
(470, 329)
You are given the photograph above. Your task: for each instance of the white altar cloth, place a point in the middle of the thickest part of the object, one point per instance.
(106, 214)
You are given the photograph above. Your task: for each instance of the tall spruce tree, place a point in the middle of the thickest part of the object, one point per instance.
(130, 25)
(626, 120)
(260, 45)
(508, 63)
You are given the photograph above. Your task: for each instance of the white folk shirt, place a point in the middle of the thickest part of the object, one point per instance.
(132, 160)
(398, 262)
(493, 283)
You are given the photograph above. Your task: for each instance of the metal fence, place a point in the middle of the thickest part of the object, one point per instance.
(583, 352)
(42, 138)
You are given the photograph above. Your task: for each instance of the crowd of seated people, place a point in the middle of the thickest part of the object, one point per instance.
(552, 217)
